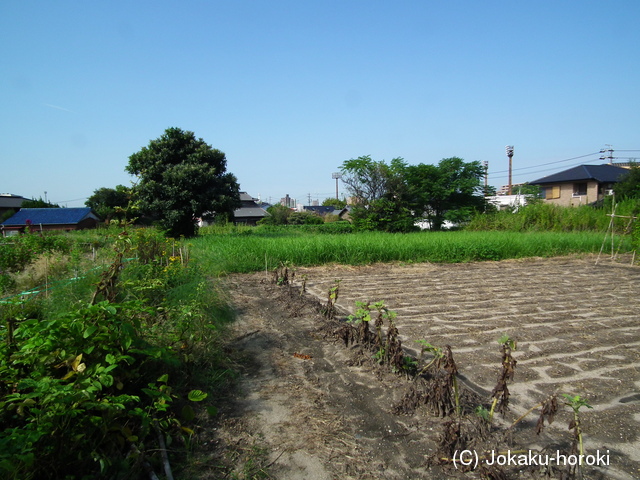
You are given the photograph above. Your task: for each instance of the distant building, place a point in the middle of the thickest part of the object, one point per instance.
(317, 209)
(250, 212)
(504, 190)
(287, 201)
(506, 202)
(43, 219)
(11, 203)
(580, 185)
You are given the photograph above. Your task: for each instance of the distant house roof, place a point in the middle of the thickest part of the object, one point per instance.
(320, 209)
(245, 197)
(50, 216)
(8, 200)
(249, 211)
(600, 173)
(245, 212)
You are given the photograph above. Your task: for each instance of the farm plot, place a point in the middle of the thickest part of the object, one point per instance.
(576, 324)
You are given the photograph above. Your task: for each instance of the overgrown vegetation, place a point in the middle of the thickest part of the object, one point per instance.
(255, 249)
(392, 196)
(547, 217)
(98, 376)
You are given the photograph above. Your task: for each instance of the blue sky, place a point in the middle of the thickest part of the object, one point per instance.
(291, 89)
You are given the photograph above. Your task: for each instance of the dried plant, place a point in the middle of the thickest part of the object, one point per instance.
(500, 393)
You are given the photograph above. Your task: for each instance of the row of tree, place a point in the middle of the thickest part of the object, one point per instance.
(394, 196)
(180, 178)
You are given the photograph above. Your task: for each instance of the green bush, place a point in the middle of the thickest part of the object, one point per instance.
(554, 218)
(83, 381)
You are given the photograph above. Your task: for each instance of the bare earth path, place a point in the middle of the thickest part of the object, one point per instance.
(310, 408)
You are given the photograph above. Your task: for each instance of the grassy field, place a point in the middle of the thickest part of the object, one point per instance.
(246, 250)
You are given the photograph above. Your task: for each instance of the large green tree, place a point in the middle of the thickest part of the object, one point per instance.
(180, 178)
(334, 202)
(629, 184)
(450, 190)
(378, 191)
(110, 203)
(278, 215)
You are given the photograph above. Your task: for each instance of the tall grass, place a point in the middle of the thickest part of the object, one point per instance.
(550, 217)
(246, 252)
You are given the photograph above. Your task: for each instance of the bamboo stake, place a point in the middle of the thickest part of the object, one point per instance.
(163, 451)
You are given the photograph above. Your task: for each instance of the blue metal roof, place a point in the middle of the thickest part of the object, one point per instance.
(50, 216)
(600, 173)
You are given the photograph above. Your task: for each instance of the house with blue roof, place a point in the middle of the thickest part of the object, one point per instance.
(41, 219)
(580, 185)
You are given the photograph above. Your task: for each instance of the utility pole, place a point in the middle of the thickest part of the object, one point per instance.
(337, 176)
(509, 149)
(309, 199)
(485, 164)
(610, 150)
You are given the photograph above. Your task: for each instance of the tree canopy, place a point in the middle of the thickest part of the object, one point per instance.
(110, 203)
(447, 191)
(334, 202)
(393, 196)
(38, 203)
(377, 189)
(629, 184)
(180, 178)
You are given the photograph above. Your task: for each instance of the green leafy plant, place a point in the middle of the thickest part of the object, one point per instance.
(576, 402)
(332, 297)
(84, 373)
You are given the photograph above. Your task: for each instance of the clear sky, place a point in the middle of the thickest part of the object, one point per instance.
(291, 89)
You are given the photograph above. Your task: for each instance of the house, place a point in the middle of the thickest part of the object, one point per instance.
(319, 210)
(10, 202)
(250, 211)
(41, 219)
(580, 185)
(322, 211)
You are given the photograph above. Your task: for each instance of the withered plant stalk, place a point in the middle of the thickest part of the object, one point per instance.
(500, 392)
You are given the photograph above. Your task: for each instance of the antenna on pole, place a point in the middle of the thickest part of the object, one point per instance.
(485, 164)
(337, 176)
(509, 149)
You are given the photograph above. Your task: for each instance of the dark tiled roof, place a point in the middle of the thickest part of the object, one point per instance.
(319, 209)
(250, 212)
(600, 173)
(7, 200)
(50, 216)
(245, 197)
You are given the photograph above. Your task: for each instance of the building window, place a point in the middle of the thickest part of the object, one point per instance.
(579, 189)
(550, 193)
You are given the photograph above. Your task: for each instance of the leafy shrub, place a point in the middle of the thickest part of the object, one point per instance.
(550, 217)
(83, 385)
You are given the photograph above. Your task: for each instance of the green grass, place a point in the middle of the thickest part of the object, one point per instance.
(246, 251)
(549, 217)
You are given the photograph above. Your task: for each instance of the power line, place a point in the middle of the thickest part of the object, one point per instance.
(549, 163)
(74, 200)
(540, 171)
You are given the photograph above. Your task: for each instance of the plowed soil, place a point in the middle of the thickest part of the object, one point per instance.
(307, 407)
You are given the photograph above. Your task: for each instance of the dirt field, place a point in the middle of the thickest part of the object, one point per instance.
(309, 408)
